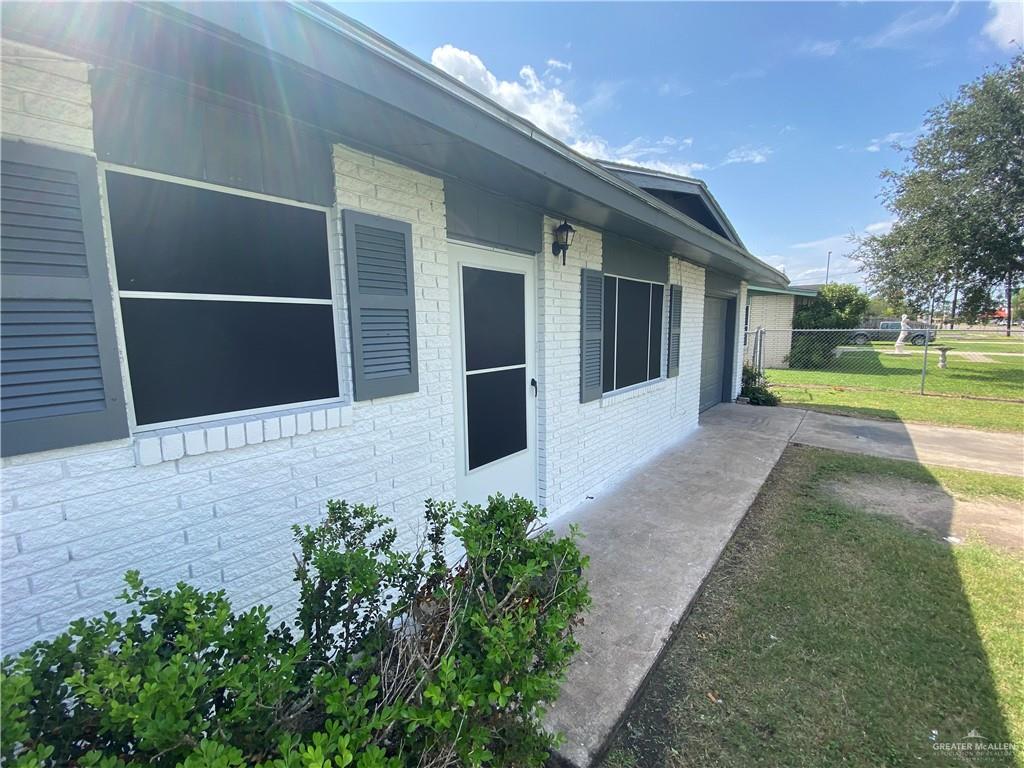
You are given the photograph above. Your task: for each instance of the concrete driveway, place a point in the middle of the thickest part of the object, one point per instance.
(654, 537)
(999, 452)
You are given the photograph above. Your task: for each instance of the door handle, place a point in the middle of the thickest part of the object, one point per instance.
(533, 383)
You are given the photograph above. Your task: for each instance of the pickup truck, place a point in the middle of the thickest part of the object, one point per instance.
(889, 330)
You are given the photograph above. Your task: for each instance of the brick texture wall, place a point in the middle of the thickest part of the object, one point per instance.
(773, 312)
(46, 97)
(583, 446)
(74, 520)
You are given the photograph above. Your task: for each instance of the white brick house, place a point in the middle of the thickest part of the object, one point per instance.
(223, 307)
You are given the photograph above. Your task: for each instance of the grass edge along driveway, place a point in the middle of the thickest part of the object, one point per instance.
(988, 415)
(828, 636)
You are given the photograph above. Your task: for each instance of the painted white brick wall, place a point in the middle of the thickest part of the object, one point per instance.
(773, 312)
(583, 446)
(46, 97)
(74, 520)
(416, 430)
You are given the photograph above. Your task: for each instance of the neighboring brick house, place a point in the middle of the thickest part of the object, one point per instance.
(771, 309)
(256, 257)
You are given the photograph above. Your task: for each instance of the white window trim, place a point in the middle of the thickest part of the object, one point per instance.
(199, 421)
(615, 373)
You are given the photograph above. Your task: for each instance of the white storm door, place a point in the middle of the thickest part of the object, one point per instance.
(494, 331)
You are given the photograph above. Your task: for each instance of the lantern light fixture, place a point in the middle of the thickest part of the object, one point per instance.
(564, 233)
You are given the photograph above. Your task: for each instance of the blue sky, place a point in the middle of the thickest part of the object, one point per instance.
(787, 110)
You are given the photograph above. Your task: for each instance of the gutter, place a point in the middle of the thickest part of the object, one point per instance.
(359, 33)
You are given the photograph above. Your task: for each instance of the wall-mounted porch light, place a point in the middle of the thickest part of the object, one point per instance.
(563, 239)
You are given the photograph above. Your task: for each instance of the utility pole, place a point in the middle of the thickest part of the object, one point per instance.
(828, 263)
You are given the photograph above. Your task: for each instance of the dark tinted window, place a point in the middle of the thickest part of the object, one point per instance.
(632, 328)
(182, 239)
(496, 415)
(199, 358)
(494, 309)
(632, 332)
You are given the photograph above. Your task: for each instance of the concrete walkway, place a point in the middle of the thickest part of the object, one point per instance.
(653, 539)
(946, 446)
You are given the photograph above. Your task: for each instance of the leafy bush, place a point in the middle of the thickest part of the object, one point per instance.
(837, 305)
(814, 351)
(400, 659)
(755, 388)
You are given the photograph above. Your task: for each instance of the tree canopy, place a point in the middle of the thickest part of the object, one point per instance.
(837, 305)
(958, 202)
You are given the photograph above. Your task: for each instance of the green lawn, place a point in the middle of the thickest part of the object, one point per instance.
(826, 636)
(869, 369)
(992, 415)
(869, 382)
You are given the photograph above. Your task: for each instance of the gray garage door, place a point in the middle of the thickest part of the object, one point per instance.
(712, 359)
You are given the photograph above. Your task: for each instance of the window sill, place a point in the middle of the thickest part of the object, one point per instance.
(224, 434)
(634, 390)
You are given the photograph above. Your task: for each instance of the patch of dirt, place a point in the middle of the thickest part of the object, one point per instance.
(930, 508)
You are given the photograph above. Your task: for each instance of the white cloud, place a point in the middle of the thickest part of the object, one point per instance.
(656, 155)
(880, 227)
(834, 243)
(747, 154)
(540, 100)
(842, 244)
(672, 87)
(901, 30)
(1005, 27)
(808, 260)
(896, 137)
(545, 106)
(822, 48)
(809, 273)
(754, 73)
(603, 96)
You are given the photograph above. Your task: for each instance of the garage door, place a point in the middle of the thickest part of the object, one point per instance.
(712, 360)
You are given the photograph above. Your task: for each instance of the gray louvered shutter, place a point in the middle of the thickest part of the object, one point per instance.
(382, 305)
(59, 369)
(675, 318)
(591, 334)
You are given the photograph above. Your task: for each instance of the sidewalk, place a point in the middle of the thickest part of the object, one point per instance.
(655, 536)
(1000, 452)
(653, 539)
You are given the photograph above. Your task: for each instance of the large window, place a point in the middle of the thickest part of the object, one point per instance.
(225, 300)
(632, 332)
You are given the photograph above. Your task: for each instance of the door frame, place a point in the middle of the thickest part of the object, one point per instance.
(465, 253)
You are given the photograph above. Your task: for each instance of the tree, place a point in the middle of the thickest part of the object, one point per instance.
(959, 202)
(837, 305)
(1018, 304)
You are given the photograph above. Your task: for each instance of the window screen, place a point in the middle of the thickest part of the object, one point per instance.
(225, 300)
(173, 237)
(632, 332)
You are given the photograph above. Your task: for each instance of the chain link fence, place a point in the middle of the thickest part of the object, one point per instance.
(970, 363)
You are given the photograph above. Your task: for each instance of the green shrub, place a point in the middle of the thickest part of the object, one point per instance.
(813, 351)
(755, 388)
(400, 659)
